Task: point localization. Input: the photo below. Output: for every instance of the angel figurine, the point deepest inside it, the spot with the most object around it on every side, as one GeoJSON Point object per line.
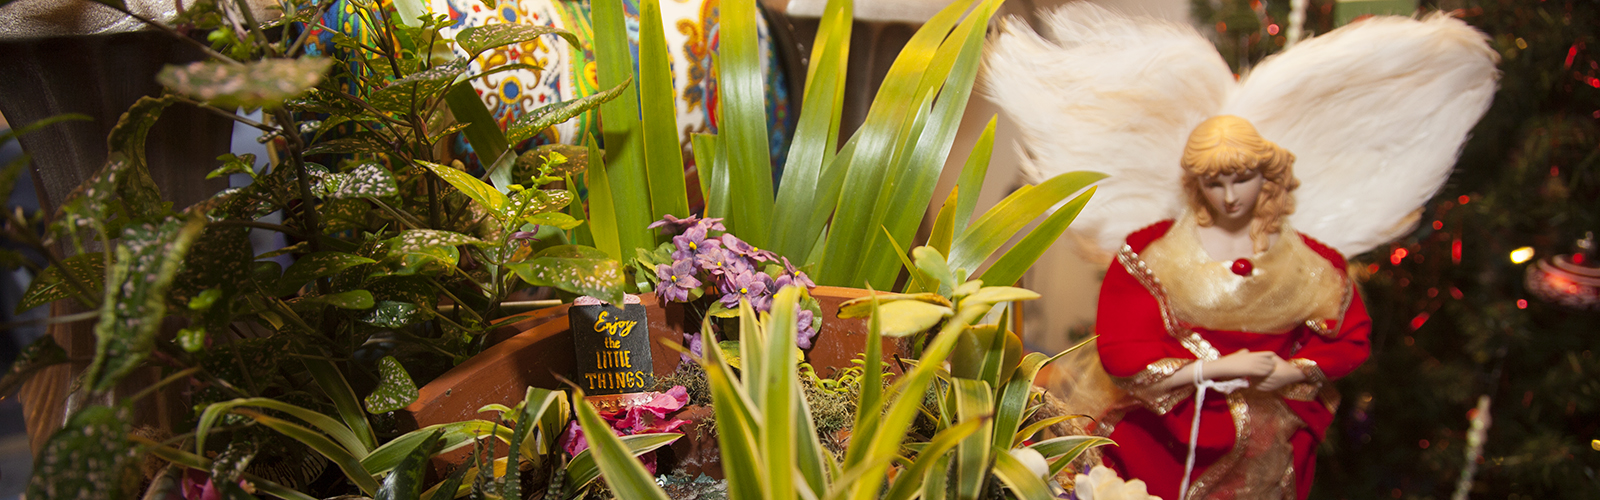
{"type": "Point", "coordinates": [1248, 192]}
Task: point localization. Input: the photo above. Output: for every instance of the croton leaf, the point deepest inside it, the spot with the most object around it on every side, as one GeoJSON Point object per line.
{"type": "Point", "coordinates": [367, 180]}
{"type": "Point", "coordinates": [343, 215]}
{"type": "Point", "coordinates": [557, 160]}
{"type": "Point", "coordinates": [88, 268]}
{"type": "Point", "coordinates": [420, 249]}
{"type": "Point", "coordinates": [395, 388]}
{"type": "Point", "coordinates": [481, 192]}
{"type": "Point", "coordinates": [89, 458]}
{"type": "Point", "coordinates": [477, 39]}
{"type": "Point", "coordinates": [41, 353]}
{"type": "Point", "coordinates": [404, 95]}
{"type": "Point", "coordinates": [148, 258]}
{"type": "Point", "coordinates": [315, 266]}
{"type": "Point", "coordinates": [537, 120]}
{"type": "Point", "coordinates": [576, 269]}
{"type": "Point", "coordinates": [411, 289]}
{"type": "Point", "coordinates": [535, 201]}
{"type": "Point", "coordinates": [266, 83]}
{"type": "Point", "coordinates": [220, 259]}
{"type": "Point", "coordinates": [392, 314]}
{"type": "Point", "coordinates": [234, 164]}
{"type": "Point", "coordinates": [354, 299]}
{"type": "Point", "coordinates": [359, 143]}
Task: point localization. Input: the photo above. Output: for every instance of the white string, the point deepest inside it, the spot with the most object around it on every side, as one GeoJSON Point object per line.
{"type": "Point", "coordinates": [1201, 384]}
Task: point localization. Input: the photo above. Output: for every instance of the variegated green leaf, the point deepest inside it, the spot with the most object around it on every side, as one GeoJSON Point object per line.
{"type": "Point", "coordinates": [481, 192]}
{"type": "Point", "coordinates": [395, 388]}
{"type": "Point", "coordinates": [367, 180]}
{"type": "Point", "coordinates": [477, 39]}
{"type": "Point", "coordinates": [43, 352]}
{"type": "Point", "coordinates": [353, 299]}
{"type": "Point", "coordinates": [255, 84]}
{"type": "Point", "coordinates": [49, 286]}
{"type": "Point", "coordinates": [576, 269]}
{"type": "Point", "coordinates": [89, 458]}
{"type": "Point", "coordinates": [148, 258]}
{"type": "Point", "coordinates": [315, 266]}
{"type": "Point", "coordinates": [391, 314]}
{"type": "Point", "coordinates": [406, 95]}
{"type": "Point", "coordinates": [531, 124]}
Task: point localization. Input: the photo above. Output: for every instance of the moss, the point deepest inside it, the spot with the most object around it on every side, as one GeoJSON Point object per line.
{"type": "Point", "coordinates": [693, 379]}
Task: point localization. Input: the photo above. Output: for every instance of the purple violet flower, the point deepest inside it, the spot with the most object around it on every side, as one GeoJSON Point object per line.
{"type": "Point", "coordinates": [713, 224]}
{"type": "Point", "coordinates": [720, 262]}
{"type": "Point", "coordinates": [795, 275]}
{"type": "Point", "coordinates": [806, 332]}
{"type": "Point", "coordinates": [738, 246]}
{"type": "Point", "coordinates": [742, 285]}
{"type": "Point", "coordinates": [692, 244]}
{"type": "Point", "coordinates": [677, 280]}
{"type": "Point", "coordinates": [695, 343]}
{"type": "Point", "coordinates": [674, 224]}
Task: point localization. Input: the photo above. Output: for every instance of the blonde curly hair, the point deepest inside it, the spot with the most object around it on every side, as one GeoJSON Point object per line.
{"type": "Point", "coordinates": [1228, 144]}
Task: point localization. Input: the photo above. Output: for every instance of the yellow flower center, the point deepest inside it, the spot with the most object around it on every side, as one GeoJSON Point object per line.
{"type": "Point", "coordinates": [693, 246]}
{"type": "Point", "coordinates": [744, 290]}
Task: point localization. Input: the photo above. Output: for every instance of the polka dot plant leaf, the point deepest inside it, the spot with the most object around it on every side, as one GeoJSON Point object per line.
{"type": "Point", "coordinates": [148, 258]}
{"type": "Point", "coordinates": [395, 388]}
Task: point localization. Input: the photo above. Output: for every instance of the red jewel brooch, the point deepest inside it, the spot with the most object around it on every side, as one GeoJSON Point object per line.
{"type": "Point", "coordinates": [1242, 267]}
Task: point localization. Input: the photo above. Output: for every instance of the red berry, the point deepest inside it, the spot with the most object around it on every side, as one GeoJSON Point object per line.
{"type": "Point", "coordinates": [1242, 267]}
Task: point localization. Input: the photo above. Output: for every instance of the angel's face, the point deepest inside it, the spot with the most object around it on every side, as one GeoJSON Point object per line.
{"type": "Point", "coordinates": [1232, 197]}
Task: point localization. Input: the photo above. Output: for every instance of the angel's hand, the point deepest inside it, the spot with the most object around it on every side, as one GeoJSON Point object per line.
{"type": "Point", "coordinates": [1242, 363]}
{"type": "Point", "coordinates": [1283, 374]}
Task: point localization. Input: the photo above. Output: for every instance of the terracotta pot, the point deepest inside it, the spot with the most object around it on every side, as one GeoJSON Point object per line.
{"type": "Point", "coordinates": [534, 351]}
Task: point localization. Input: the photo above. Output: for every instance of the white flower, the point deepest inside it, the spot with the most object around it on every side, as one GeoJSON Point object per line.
{"type": "Point", "coordinates": [1104, 484]}
{"type": "Point", "coordinates": [1033, 460]}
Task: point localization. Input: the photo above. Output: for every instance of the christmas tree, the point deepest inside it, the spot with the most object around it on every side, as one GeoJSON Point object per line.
{"type": "Point", "coordinates": [1452, 319]}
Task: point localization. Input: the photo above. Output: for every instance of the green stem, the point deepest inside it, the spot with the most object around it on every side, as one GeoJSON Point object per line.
{"type": "Point", "coordinates": [225, 114]}
{"type": "Point", "coordinates": [158, 385]}
{"type": "Point", "coordinates": [460, 306]}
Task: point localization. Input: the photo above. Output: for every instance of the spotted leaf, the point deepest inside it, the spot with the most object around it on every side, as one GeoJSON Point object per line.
{"type": "Point", "coordinates": [407, 94]}
{"type": "Point", "coordinates": [148, 258]}
{"type": "Point", "coordinates": [220, 259]}
{"type": "Point", "coordinates": [556, 159]}
{"type": "Point", "coordinates": [576, 269]}
{"type": "Point", "coordinates": [51, 285]}
{"type": "Point", "coordinates": [395, 388]}
{"type": "Point", "coordinates": [421, 250]}
{"type": "Point", "coordinates": [41, 353]}
{"type": "Point", "coordinates": [89, 458]}
{"type": "Point", "coordinates": [392, 314]}
{"type": "Point", "coordinates": [481, 192]}
{"type": "Point", "coordinates": [315, 266]}
{"type": "Point", "coordinates": [256, 84]}
{"type": "Point", "coordinates": [536, 121]}
{"type": "Point", "coordinates": [367, 180]}
{"type": "Point", "coordinates": [359, 143]}
{"type": "Point", "coordinates": [477, 39]}
{"type": "Point", "coordinates": [354, 299]}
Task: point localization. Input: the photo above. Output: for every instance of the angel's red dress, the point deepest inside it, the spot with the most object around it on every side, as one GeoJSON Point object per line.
{"type": "Point", "coordinates": [1152, 322]}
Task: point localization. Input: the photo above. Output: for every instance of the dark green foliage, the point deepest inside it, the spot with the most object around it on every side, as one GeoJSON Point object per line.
{"type": "Point", "coordinates": [1446, 332]}
{"type": "Point", "coordinates": [89, 458]}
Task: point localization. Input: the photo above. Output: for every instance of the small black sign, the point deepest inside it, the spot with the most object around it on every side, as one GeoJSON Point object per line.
{"type": "Point", "coordinates": [612, 345]}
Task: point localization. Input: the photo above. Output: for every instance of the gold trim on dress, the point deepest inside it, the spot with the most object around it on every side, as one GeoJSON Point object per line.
{"type": "Point", "coordinates": [1268, 461]}
{"type": "Point", "coordinates": [1141, 385]}
{"type": "Point", "coordinates": [1289, 284]}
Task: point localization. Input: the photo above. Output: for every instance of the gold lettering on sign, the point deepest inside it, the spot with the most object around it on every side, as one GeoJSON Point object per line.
{"type": "Point", "coordinates": [633, 379]}
{"type": "Point", "coordinates": [613, 359]}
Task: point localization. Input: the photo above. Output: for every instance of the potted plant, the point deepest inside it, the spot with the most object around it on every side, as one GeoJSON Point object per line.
{"type": "Point", "coordinates": [404, 261]}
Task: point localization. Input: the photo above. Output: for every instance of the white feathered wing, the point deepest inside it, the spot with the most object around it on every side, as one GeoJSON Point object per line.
{"type": "Point", "coordinates": [1374, 112]}
{"type": "Point", "coordinates": [1110, 94]}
